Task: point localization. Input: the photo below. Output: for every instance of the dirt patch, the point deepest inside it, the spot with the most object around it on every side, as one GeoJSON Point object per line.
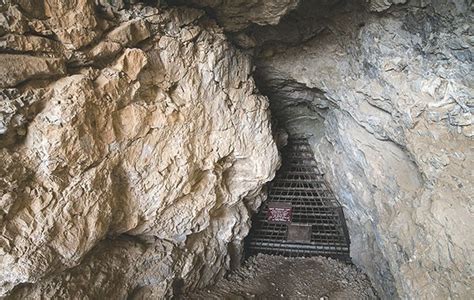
{"type": "Point", "coordinates": [277, 277]}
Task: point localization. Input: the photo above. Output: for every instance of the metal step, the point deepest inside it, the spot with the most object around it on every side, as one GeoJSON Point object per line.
{"type": "Point", "coordinates": [315, 224]}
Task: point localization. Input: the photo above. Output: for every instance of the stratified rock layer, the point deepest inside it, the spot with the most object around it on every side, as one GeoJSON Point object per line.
{"type": "Point", "coordinates": [388, 101]}
{"type": "Point", "coordinates": [154, 134]}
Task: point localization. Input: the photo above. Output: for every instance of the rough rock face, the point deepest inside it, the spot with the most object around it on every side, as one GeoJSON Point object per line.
{"type": "Point", "coordinates": [133, 147]}
{"type": "Point", "coordinates": [381, 5]}
{"type": "Point", "coordinates": [236, 15]}
{"type": "Point", "coordinates": [388, 101]}
{"type": "Point", "coordinates": [133, 144]}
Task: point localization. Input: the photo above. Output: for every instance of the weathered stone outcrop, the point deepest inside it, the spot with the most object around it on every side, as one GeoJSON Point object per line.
{"type": "Point", "coordinates": [381, 5]}
{"type": "Point", "coordinates": [388, 101]}
{"type": "Point", "coordinates": [236, 15]}
{"type": "Point", "coordinates": [134, 169]}
{"type": "Point", "coordinates": [134, 144]}
{"type": "Point", "coordinates": [72, 22]}
{"type": "Point", "coordinates": [25, 67]}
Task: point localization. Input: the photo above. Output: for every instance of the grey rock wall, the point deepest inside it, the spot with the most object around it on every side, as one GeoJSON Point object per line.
{"type": "Point", "coordinates": [236, 15]}
{"type": "Point", "coordinates": [387, 100]}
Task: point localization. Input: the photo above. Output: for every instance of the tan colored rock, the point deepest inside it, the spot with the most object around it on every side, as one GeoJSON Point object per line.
{"type": "Point", "coordinates": [16, 108]}
{"type": "Point", "coordinates": [127, 34]}
{"type": "Point", "coordinates": [32, 8]}
{"type": "Point", "coordinates": [104, 50]}
{"type": "Point", "coordinates": [137, 172]}
{"type": "Point", "coordinates": [130, 33]}
{"type": "Point", "coordinates": [165, 144]}
{"type": "Point", "coordinates": [23, 43]}
{"type": "Point", "coordinates": [20, 68]}
{"type": "Point", "coordinates": [12, 20]}
{"type": "Point", "coordinates": [131, 63]}
{"type": "Point", "coordinates": [73, 21]}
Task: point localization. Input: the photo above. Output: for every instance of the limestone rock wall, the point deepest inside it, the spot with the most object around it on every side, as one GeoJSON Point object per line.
{"type": "Point", "coordinates": [133, 147]}
{"type": "Point", "coordinates": [388, 102]}
{"type": "Point", "coordinates": [134, 144]}
{"type": "Point", "coordinates": [236, 15]}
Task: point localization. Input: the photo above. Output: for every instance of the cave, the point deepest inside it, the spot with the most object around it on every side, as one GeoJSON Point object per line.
{"type": "Point", "coordinates": [145, 144]}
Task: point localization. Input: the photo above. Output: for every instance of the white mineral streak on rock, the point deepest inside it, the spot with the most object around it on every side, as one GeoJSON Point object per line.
{"type": "Point", "coordinates": [169, 144]}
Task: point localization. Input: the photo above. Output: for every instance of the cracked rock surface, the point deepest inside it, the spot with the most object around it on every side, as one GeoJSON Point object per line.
{"type": "Point", "coordinates": [135, 141]}
{"type": "Point", "coordinates": [236, 15]}
{"type": "Point", "coordinates": [387, 101]}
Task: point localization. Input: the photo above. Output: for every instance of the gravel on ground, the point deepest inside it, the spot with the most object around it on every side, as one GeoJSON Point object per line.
{"type": "Point", "coordinates": [278, 277]}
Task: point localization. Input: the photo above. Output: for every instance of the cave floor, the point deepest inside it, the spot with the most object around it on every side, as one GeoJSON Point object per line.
{"type": "Point", "coordinates": [277, 277]}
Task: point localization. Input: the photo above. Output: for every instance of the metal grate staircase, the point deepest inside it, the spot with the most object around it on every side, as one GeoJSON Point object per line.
{"type": "Point", "coordinates": [301, 216]}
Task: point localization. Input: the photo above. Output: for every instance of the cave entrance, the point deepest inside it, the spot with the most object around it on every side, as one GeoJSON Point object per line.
{"type": "Point", "coordinates": [301, 216]}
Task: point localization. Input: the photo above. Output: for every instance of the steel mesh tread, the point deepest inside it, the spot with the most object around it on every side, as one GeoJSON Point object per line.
{"type": "Point", "coordinates": [301, 184]}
